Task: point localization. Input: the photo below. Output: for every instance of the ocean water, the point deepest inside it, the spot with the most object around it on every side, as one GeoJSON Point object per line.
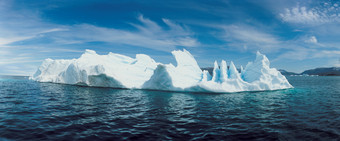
{"type": "Point", "coordinates": [44, 111]}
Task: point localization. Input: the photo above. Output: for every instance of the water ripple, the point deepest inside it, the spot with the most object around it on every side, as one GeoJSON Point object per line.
{"type": "Point", "coordinates": [45, 111]}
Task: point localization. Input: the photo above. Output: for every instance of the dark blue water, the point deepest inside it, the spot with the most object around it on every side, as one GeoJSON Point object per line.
{"type": "Point", "coordinates": [45, 111]}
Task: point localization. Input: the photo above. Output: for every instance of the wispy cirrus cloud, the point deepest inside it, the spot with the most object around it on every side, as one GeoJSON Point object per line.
{"type": "Point", "coordinates": [247, 37]}
{"type": "Point", "coordinates": [337, 63]}
{"type": "Point", "coordinates": [19, 25]}
{"type": "Point", "coordinates": [248, 34]}
{"type": "Point", "coordinates": [294, 30]}
{"type": "Point", "coordinates": [24, 24]}
{"type": "Point", "coordinates": [149, 34]}
{"type": "Point", "coordinates": [23, 31]}
{"type": "Point", "coordinates": [302, 53]}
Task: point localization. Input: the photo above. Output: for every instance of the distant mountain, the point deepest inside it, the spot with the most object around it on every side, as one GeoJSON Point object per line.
{"type": "Point", "coordinates": [284, 72]}
{"type": "Point", "coordinates": [333, 71]}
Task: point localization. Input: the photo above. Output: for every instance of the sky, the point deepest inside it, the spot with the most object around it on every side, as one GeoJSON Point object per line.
{"type": "Point", "coordinates": [294, 34]}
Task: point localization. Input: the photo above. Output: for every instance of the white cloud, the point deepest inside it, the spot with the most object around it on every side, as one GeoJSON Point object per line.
{"type": "Point", "coordinates": [21, 26]}
{"type": "Point", "coordinates": [326, 53]}
{"type": "Point", "coordinates": [247, 37]}
{"type": "Point", "coordinates": [337, 64]}
{"type": "Point", "coordinates": [333, 62]}
{"type": "Point", "coordinates": [298, 53]}
{"type": "Point", "coordinates": [15, 60]}
{"type": "Point", "coordinates": [311, 16]}
{"type": "Point", "coordinates": [301, 15]}
{"type": "Point", "coordinates": [148, 35]}
{"type": "Point", "coordinates": [249, 34]}
{"type": "Point", "coordinates": [18, 70]}
{"type": "Point", "coordinates": [312, 39]}
{"type": "Point", "coordinates": [250, 37]}
{"type": "Point", "coordinates": [301, 53]}
{"type": "Point", "coordinates": [8, 40]}
{"type": "Point", "coordinates": [18, 25]}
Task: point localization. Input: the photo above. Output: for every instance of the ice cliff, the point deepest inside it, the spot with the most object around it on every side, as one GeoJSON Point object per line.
{"type": "Point", "coordinates": [142, 72]}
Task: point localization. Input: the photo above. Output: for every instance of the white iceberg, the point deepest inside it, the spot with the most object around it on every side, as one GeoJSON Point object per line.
{"type": "Point", "coordinates": [142, 72]}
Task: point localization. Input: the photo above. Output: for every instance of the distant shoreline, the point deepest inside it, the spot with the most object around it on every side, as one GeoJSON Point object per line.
{"type": "Point", "coordinates": [331, 71]}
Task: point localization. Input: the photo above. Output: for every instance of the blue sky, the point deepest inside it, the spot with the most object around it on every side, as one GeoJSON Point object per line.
{"type": "Point", "coordinates": [295, 35]}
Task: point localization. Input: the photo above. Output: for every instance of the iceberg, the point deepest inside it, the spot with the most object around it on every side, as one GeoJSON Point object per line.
{"type": "Point", "coordinates": [142, 72]}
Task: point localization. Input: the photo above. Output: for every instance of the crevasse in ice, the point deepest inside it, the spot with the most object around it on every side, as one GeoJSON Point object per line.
{"type": "Point", "coordinates": [142, 72]}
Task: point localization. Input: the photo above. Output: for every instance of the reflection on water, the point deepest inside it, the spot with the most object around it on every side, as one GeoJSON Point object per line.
{"type": "Point", "coordinates": [184, 107]}
{"type": "Point", "coordinates": [46, 111]}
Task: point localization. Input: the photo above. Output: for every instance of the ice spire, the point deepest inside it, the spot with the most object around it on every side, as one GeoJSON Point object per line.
{"type": "Point", "coordinates": [241, 69]}
{"type": "Point", "coordinates": [233, 73]}
{"type": "Point", "coordinates": [223, 71]}
{"type": "Point", "coordinates": [216, 72]}
{"type": "Point", "coordinates": [254, 70]}
{"type": "Point", "coordinates": [262, 60]}
{"type": "Point", "coordinates": [206, 76]}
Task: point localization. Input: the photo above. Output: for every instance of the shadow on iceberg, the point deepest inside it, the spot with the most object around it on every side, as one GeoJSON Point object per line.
{"type": "Point", "coordinates": [160, 80]}
{"type": "Point", "coordinates": [103, 80]}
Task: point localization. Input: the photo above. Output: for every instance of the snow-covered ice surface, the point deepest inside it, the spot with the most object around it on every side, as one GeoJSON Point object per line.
{"type": "Point", "coordinates": [142, 72]}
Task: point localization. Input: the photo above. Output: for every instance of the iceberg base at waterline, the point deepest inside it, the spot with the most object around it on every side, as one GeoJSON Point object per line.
{"type": "Point", "coordinates": [142, 72]}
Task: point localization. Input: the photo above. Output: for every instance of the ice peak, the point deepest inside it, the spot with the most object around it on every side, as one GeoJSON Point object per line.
{"type": "Point", "coordinates": [255, 70]}
{"type": "Point", "coordinates": [224, 71]}
{"type": "Point", "coordinates": [184, 58]}
{"type": "Point", "coordinates": [258, 53]}
{"type": "Point", "coordinates": [88, 51]}
{"type": "Point", "coordinates": [48, 60]}
{"type": "Point", "coordinates": [215, 64]}
{"type": "Point", "coordinates": [261, 59]}
{"type": "Point", "coordinates": [206, 76]}
{"type": "Point", "coordinates": [233, 73]}
{"type": "Point", "coordinates": [216, 73]}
